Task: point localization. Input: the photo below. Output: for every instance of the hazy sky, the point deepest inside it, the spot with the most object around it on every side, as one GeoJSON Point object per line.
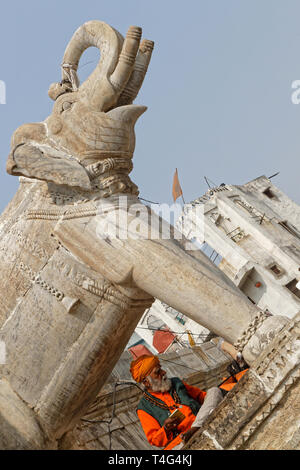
{"type": "Point", "coordinates": [218, 89]}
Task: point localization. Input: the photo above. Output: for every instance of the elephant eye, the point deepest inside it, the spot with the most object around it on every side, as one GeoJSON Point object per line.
{"type": "Point", "coordinates": [66, 105]}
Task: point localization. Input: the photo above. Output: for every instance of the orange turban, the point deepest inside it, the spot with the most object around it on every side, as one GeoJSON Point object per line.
{"type": "Point", "coordinates": [142, 366]}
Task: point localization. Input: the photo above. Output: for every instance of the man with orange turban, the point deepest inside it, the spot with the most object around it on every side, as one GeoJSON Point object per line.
{"type": "Point", "coordinates": [162, 396]}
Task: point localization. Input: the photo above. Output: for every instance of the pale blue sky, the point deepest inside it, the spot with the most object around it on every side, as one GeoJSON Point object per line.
{"type": "Point", "coordinates": [218, 89]}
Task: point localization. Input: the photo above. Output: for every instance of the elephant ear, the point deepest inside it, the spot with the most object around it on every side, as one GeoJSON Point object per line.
{"type": "Point", "coordinates": [47, 164]}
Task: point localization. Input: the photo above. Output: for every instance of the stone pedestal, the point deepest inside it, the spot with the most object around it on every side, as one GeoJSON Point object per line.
{"type": "Point", "coordinates": [72, 295]}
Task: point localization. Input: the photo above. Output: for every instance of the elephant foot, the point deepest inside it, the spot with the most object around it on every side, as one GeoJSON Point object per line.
{"type": "Point", "coordinates": [262, 330]}
{"type": "Point", "coordinates": [189, 434]}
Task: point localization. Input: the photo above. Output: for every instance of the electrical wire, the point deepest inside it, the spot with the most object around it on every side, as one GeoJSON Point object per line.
{"type": "Point", "coordinates": [207, 182]}
{"type": "Point", "coordinates": [176, 363]}
{"type": "Point", "coordinates": [125, 382]}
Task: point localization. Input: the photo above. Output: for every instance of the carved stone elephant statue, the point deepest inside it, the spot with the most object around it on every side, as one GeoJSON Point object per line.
{"type": "Point", "coordinates": [72, 294]}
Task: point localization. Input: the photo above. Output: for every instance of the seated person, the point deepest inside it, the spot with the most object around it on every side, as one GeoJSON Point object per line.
{"type": "Point", "coordinates": [163, 395]}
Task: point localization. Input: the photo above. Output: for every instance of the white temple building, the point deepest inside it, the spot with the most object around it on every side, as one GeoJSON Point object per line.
{"type": "Point", "coordinates": [165, 329]}
{"type": "Point", "coordinates": [254, 229]}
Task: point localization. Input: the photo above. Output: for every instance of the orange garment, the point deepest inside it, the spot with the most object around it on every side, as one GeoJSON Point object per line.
{"type": "Point", "coordinates": [232, 381]}
{"type": "Point", "coordinates": [142, 366]}
{"type": "Point", "coordinates": [155, 433]}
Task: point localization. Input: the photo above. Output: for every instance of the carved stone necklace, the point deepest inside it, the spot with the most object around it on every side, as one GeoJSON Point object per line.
{"type": "Point", "coordinates": [160, 404]}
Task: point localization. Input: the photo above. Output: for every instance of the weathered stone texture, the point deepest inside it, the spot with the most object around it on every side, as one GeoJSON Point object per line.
{"type": "Point", "coordinates": [281, 431]}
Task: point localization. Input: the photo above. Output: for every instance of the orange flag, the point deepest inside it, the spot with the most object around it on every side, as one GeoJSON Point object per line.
{"type": "Point", "coordinates": [176, 191]}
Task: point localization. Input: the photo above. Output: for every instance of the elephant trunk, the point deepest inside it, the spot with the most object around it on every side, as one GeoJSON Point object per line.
{"type": "Point", "coordinates": [117, 64]}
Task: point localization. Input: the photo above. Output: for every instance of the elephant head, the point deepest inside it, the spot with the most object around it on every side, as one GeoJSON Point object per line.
{"type": "Point", "coordinates": [88, 140]}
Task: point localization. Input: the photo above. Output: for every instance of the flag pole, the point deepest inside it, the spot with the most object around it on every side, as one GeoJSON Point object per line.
{"type": "Point", "coordinates": [177, 190]}
{"type": "Point", "coordinates": [182, 195]}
